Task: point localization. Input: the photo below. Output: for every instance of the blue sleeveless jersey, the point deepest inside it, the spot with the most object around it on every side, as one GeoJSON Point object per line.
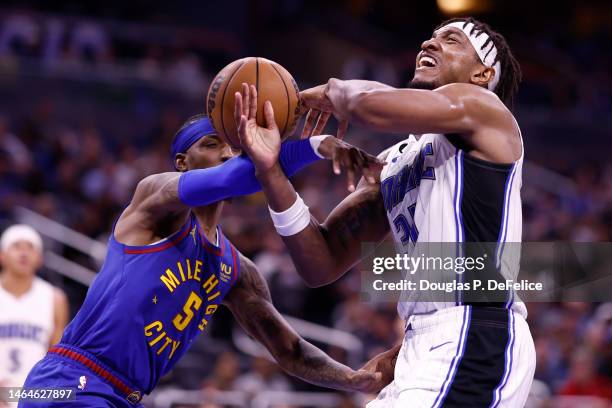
{"type": "Point", "coordinates": [148, 303]}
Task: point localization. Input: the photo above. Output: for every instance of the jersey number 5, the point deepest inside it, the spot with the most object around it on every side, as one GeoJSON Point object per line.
{"type": "Point", "coordinates": [181, 321]}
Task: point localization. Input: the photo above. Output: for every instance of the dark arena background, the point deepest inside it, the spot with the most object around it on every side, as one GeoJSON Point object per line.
{"type": "Point", "coordinates": [91, 95]}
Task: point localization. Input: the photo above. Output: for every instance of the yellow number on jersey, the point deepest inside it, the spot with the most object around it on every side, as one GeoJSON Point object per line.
{"type": "Point", "coordinates": [180, 321]}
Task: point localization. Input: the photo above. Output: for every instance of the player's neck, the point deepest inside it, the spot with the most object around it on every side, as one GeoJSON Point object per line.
{"type": "Point", "coordinates": [208, 218]}
{"type": "Point", "coordinates": [14, 284]}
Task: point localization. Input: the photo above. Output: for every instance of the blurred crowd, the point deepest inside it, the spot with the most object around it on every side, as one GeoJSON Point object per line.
{"type": "Point", "coordinates": [82, 173]}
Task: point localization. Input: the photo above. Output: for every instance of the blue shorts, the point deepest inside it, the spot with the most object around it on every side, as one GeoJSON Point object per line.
{"type": "Point", "coordinates": [92, 390]}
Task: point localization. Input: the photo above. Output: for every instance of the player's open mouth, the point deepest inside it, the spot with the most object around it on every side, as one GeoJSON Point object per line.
{"type": "Point", "coordinates": [426, 61]}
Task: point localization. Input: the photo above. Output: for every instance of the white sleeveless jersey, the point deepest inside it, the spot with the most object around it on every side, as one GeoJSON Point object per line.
{"type": "Point", "coordinates": [435, 193]}
{"type": "Point", "coordinates": [26, 326]}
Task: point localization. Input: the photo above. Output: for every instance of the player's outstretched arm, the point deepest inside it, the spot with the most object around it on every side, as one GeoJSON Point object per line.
{"type": "Point", "coordinates": [168, 196]}
{"type": "Point", "coordinates": [453, 108]}
{"type": "Point", "coordinates": [250, 302]}
{"type": "Point", "coordinates": [320, 107]}
{"type": "Point", "coordinates": [321, 253]}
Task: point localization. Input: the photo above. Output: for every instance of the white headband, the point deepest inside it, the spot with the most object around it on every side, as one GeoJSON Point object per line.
{"type": "Point", "coordinates": [487, 55]}
{"type": "Point", "coordinates": [20, 232]}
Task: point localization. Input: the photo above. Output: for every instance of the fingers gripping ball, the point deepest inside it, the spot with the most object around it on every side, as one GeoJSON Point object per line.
{"type": "Point", "coordinates": [273, 83]}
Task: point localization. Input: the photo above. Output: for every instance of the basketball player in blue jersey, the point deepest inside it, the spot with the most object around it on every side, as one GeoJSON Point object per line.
{"type": "Point", "coordinates": [455, 179]}
{"type": "Point", "coordinates": [168, 269]}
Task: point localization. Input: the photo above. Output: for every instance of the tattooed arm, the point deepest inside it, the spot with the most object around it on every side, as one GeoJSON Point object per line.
{"type": "Point", "coordinates": [324, 252]}
{"type": "Point", "coordinates": [251, 305]}
{"type": "Point", "coordinates": [321, 252]}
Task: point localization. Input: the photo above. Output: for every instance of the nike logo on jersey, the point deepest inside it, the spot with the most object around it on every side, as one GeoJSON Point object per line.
{"type": "Point", "coordinates": [439, 345]}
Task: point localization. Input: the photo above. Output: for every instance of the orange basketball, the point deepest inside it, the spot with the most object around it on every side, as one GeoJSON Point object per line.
{"type": "Point", "coordinates": [273, 82]}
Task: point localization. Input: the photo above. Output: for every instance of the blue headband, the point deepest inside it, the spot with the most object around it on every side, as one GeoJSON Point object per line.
{"type": "Point", "coordinates": [190, 134]}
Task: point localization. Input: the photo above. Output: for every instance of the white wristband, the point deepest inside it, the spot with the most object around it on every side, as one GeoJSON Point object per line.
{"type": "Point", "coordinates": [293, 220]}
{"type": "Point", "coordinates": [315, 142]}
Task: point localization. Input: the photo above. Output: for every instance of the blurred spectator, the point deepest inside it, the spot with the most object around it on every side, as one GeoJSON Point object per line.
{"type": "Point", "coordinates": [263, 376]}
{"type": "Point", "coordinates": [186, 73]}
{"type": "Point", "coordinates": [20, 158]}
{"type": "Point", "coordinates": [583, 377]}
{"type": "Point", "coordinates": [224, 375]}
{"type": "Point", "coordinates": [20, 36]}
{"type": "Point", "coordinates": [90, 42]}
{"type": "Point", "coordinates": [539, 396]}
{"type": "Point", "coordinates": [370, 67]}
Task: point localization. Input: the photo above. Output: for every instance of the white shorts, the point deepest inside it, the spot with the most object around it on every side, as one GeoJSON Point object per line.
{"type": "Point", "coordinates": [463, 356]}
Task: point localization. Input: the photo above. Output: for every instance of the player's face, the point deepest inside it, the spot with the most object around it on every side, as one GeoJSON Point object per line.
{"type": "Point", "coordinates": [21, 258]}
{"type": "Point", "coordinates": [447, 57]}
{"type": "Point", "coordinates": [209, 151]}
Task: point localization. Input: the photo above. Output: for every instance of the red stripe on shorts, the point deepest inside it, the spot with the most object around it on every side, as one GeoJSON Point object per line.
{"type": "Point", "coordinates": [93, 366]}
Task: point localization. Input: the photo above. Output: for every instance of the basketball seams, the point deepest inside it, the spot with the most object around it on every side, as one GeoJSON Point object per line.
{"type": "Point", "coordinates": [292, 99]}
{"type": "Point", "coordinates": [228, 82]}
{"type": "Point", "coordinates": [222, 78]}
{"type": "Point", "coordinates": [265, 80]}
{"type": "Point", "coordinates": [257, 74]}
{"type": "Point", "coordinates": [260, 116]}
{"type": "Point", "coordinates": [288, 98]}
{"type": "Point", "coordinates": [295, 116]}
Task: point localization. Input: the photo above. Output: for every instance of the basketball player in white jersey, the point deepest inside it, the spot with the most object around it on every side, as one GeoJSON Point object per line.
{"type": "Point", "coordinates": [456, 178]}
{"type": "Point", "coordinates": [33, 313]}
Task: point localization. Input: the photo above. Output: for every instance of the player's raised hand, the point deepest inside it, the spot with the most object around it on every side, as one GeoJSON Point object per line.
{"type": "Point", "coordinates": [262, 144]}
{"type": "Point", "coordinates": [315, 123]}
{"type": "Point", "coordinates": [315, 98]}
{"type": "Point", "coordinates": [352, 160]}
{"type": "Point", "coordinates": [319, 109]}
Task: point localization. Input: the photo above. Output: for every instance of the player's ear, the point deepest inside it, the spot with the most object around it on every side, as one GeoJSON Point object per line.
{"type": "Point", "coordinates": [482, 75]}
{"type": "Point", "coordinates": [180, 162]}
